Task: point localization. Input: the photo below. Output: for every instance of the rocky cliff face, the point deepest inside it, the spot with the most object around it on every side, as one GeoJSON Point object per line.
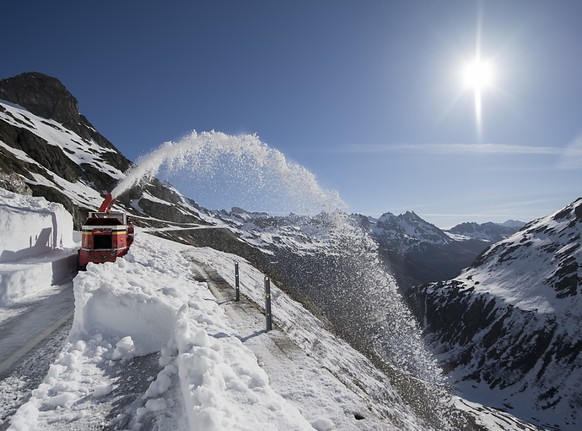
{"type": "Point", "coordinates": [47, 97]}
{"type": "Point", "coordinates": [511, 324]}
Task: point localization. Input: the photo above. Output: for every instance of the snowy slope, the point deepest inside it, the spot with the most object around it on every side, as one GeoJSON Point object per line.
{"type": "Point", "coordinates": [78, 150]}
{"type": "Point", "coordinates": [208, 375]}
{"type": "Point", "coordinates": [517, 312]}
{"type": "Point", "coordinates": [538, 268]}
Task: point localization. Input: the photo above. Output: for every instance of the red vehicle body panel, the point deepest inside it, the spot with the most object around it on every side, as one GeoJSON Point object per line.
{"type": "Point", "coordinates": [106, 235]}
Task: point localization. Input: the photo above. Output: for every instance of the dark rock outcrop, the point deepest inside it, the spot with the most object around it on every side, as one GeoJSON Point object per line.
{"type": "Point", "coordinates": [47, 97]}
{"type": "Point", "coordinates": [42, 95]}
{"type": "Point", "coordinates": [14, 183]}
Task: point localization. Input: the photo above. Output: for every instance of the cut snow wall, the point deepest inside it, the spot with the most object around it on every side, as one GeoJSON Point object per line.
{"type": "Point", "coordinates": [107, 305]}
{"type": "Point", "coordinates": [32, 226]}
{"type": "Point", "coordinates": [19, 281]}
{"type": "Point", "coordinates": [149, 323]}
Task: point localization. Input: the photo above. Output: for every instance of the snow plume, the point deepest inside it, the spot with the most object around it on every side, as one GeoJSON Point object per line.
{"type": "Point", "coordinates": [346, 282]}
{"type": "Point", "coordinates": [258, 172]}
{"type": "Point", "coordinates": [372, 302]}
{"type": "Point", "coordinates": [381, 324]}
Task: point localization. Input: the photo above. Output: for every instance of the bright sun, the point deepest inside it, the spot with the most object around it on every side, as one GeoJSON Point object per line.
{"type": "Point", "coordinates": [478, 74]}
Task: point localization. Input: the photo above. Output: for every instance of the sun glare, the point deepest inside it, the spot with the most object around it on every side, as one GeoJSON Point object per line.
{"type": "Point", "coordinates": [478, 74]}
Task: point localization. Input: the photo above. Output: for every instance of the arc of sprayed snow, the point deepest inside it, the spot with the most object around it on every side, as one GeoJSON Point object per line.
{"type": "Point", "coordinates": [298, 179]}
{"type": "Point", "coordinates": [146, 167]}
{"type": "Point", "coordinates": [174, 154]}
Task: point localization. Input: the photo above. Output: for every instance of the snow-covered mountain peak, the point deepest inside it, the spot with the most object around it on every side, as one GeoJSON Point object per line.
{"type": "Point", "coordinates": [41, 95]}
{"type": "Point", "coordinates": [408, 227]}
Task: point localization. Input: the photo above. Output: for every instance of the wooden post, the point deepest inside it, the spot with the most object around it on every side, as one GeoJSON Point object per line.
{"type": "Point", "coordinates": [268, 304]}
{"type": "Point", "coordinates": [236, 283]}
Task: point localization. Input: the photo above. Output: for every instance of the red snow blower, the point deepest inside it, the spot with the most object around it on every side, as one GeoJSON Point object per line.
{"type": "Point", "coordinates": [106, 235]}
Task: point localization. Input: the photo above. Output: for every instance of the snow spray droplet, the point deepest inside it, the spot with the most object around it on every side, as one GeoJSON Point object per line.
{"type": "Point", "coordinates": [249, 165]}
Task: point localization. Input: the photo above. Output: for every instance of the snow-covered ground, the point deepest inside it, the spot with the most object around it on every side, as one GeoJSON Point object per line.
{"type": "Point", "coordinates": [153, 346]}
{"type": "Point", "coordinates": [149, 303]}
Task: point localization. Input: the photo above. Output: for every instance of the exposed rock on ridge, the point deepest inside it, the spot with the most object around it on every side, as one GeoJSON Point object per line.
{"type": "Point", "coordinates": [511, 324]}
{"type": "Point", "coordinates": [416, 251]}
{"type": "Point", "coordinates": [47, 97]}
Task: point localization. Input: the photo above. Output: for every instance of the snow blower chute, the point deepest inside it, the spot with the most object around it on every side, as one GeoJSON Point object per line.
{"type": "Point", "coordinates": [106, 235]}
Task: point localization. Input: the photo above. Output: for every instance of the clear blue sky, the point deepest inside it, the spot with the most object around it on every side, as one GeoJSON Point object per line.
{"type": "Point", "coordinates": [365, 94]}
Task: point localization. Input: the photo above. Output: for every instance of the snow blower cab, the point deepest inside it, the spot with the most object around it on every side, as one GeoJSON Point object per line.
{"type": "Point", "coordinates": [106, 235]}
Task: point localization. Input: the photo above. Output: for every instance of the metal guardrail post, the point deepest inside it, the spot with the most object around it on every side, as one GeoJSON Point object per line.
{"type": "Point", "coordinates": [268, 304]}
{"type": "Point", "coordinates": [236, 283]}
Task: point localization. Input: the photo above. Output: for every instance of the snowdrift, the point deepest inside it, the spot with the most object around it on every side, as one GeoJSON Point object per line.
{"type": "Point", "coordinates": [32, 226]}
{"type": "Point", "coordinates": [36, 245]}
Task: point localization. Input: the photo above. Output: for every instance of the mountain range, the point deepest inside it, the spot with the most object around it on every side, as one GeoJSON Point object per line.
{"type": "Point", "coordinates": [510, 323]}
{"type": "Point", "coordinates": [498, 304]}
{"type": "Point", "coordinates": [418, 252]}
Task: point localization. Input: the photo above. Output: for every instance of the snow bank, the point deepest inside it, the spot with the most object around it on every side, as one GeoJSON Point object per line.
{"type": "Point", "coordinates": [145, 303]}
{"type": "Point", "coordinates": [32, 226]}
{"type": "Point", "coordinates": [36, 245]}
{"type": "Point", "coordinates": [19, 281]}
{"type": "Point", "coordinates": [221, 382]}
{"type": "Point", "coordinates": [116, 305]}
